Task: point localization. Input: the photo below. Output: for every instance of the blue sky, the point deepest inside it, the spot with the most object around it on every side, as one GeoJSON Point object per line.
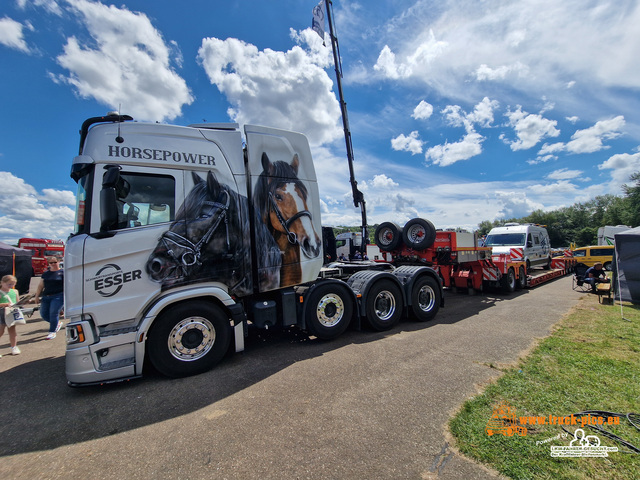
{"type": "Point", "coordinates": [460, 111]}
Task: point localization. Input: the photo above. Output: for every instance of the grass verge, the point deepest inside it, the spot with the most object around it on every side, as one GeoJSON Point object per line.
{"type": "Point", "coordinates": [590, 362]}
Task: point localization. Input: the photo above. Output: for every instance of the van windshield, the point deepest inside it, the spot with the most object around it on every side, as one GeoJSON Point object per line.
{"type": "Point", "coordinates": [505, 240]}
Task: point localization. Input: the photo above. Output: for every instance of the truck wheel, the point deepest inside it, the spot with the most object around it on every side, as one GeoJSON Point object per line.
{"type": "Point", "coordinates": [328, 311]}
{"type": "Point", "coordinates": [388, 236]}
{"type": "Point", "coordinates": [384, 305]}
{"type": "Point", "coordinates": [419, 233]}
{"type": "Point", "coordinates": [425, 299]}
{"type": "Point", "coordinates": [522, 279]}
{"type": "Point", "coordinates": [508, 281]}
{"type": "Point", "coordinates": [189, 339]}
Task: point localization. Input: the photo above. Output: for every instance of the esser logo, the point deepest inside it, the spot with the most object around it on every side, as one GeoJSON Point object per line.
{"type": "Point", "coordinates": [110, 279]}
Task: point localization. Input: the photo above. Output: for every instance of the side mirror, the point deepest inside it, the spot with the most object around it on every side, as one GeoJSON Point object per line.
{"type": "Point", "coordinates": [108, 200]}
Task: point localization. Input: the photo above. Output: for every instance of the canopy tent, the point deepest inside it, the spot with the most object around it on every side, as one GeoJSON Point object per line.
{"type": "Point", "coordinates": [627, 263]}
{"type": "Point", "coordinates": [16, 261]}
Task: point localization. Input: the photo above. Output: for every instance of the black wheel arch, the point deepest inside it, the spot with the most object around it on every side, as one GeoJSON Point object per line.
{"type": "Point", "coordinates": [326, 281]}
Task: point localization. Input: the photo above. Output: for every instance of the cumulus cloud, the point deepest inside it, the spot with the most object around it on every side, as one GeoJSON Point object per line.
{"type": "Point", "coordinates": [469, 146]}
{"type": "Point", "coordinates": [129, 64]}
{"type": "Point", "coordinates": [408, 144]}
{"type": "Point", "coordinates": [24, 212]}
{"type": "Point", "coordinates": [423, 111]}
{"type": "Point", "coordinates": [289, 89]}
{"type": "Point", "coordinates": [564, 174]}
{"type": "Point", "coordinates": [382, 181]}
{"type": "Point", "coordinates": [12, 35]}
{"type": "Point", "coordinates": [588, 140]}
{"type": "Point", "coordinates": [530, 128]}
{"type": "Point", "coordinates": [591, 139]}
{"type": "Point", "coordinates": [622, 166]}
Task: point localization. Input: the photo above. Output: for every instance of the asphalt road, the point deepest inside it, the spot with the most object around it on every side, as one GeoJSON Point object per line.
{"type": "Point", "coordinates": [366, 406]}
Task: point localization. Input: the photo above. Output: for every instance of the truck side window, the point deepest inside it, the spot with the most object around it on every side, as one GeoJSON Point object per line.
{"type": "Point", "coordinates": [149, 199]}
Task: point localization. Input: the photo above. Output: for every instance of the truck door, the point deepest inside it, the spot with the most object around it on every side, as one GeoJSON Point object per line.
{"type": "Point", "coordinates": [286, 201]}
{"type": "Point", "coordinates": [116, 284]}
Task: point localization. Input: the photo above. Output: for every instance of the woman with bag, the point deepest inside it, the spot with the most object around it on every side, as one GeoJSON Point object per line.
{"type": "Point", "coordinates": [8, 297]}
{"type": "Point", "coordinates": [51, 288]}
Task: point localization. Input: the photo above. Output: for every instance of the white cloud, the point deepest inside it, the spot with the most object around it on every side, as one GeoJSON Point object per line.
{"type": "Point", "coordinates": [572, 119]}
{"type": "Point", "coordinates": [622, 165]}
{"type": "Point", "coordinates": [129, 65]}
{"type": "Point", "coordinates": [564, 174]}
{"type": "Point", "coordinates": [25, 213]}
{"type": "Point", "coordinates": [408, 144]}
{"type": "Point", "coordinates": [11, 34]}
{"type": "Point", "coordinates": [52, 6]}
{"type": "Point", "coordinates": [384, 182]}
{"type": "Point", "coordinates": [530, 128]}
{"type": "Point", "coordinates": [590, 139]}
{"type": "Point", "coordinates": [423, 111]}
{"type": "Point", "coordinates": [484, 72]}
{"type": "Point", "coordinates": [450, 153]}
{"type": "Point", "coordinates": [288, 90]}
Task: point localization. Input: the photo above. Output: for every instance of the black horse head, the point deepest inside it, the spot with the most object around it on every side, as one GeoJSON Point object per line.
{"type": "Point", "coordinates": [207, 239]}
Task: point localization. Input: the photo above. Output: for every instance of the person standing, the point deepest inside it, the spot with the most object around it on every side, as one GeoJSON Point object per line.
{"type": "Point", "coordinates": [51, 288]}
{"type": "Point", "coordinates": [9, 296]}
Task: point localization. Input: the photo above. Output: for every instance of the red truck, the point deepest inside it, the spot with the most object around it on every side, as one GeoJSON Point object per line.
{"type": "Point", "coordinates": [42, 248]}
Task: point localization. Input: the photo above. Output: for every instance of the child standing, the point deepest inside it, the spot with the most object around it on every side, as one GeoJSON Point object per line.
{"type": "Point", "coordinates": [9, 296]}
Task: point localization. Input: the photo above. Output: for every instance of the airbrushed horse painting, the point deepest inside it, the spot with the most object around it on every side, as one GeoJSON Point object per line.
{"type": "Point", "coordinates": [280, 200]}
{"type": "Point", "coordinates": [209, 241]}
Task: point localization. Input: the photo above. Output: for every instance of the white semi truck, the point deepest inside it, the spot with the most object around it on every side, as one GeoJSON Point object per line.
{"type": "Point", "coordinates": [186, 235]}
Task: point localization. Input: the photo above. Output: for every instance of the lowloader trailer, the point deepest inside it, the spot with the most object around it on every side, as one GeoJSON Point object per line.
{"type": "Point", "coordinates": [186, 235]}
{"type": "Point", "coordinates": [458, 259]}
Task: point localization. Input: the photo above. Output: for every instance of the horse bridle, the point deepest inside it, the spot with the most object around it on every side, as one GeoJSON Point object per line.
{"type": "Point", "coordinates": [291, 236]}
{"type": "Point", "coordinates": [193, 250]}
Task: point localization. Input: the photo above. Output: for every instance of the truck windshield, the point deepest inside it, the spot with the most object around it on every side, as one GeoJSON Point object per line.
{"type": "Point", "coordinates": [505, 240]}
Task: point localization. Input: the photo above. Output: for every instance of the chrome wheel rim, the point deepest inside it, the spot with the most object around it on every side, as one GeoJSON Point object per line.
{"type": "Point", "coordinates": [330, 310]}
{"type": "Point", "coordinates": [384, 305]}
{"type": "Point", "coordinates": [191, 339]}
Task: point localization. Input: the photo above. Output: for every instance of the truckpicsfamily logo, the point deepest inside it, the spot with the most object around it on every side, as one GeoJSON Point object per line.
{"type": "Point", "coordinates": [160, 155]}
{"type": "Point", "coordinates": [110, 279]}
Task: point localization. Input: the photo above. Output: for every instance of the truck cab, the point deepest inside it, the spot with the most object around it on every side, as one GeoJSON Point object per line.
{"type": "Point", "coordinates": [533, 240]}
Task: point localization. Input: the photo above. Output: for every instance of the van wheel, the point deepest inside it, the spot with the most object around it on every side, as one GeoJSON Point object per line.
{"type": "Point", "coordinates": [607, 266]}
{"type": "Point", "coordinates": [384, 305]}
{"type": "Point", "coordinates": [425, 299]}
{"type": "Point", "coordinates": [522, 279]}
{"type": "Point", "coordinates": [508, 281]}
{"type": "Point", "coordinates": [547, 266]}
{"type": "Point", "coordinates": [329, 309]}
{"type": "Point", "coordinates": [189, 339]}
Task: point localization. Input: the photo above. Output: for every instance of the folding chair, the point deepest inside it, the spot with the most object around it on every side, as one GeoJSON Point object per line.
{"type": "Point", "coordinates": [578, 284]}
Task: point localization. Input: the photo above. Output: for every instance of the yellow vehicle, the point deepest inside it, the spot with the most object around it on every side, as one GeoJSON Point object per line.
{"type": "Point", "coordinates": [590, 255]}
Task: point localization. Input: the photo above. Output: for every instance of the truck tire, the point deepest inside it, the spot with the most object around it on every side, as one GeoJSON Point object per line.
{"type": "Point", "coordinates": [425, 299]}
{"type": "Point", "coordinates": [522, 279]}
{"type": "Point", "coordinates": [388, 236]}
{"type": "Point", "coordinates": [384, 305]}
{"type": "Point", "coordinates": [419, 234]}
{"type": "Point", "coordinates": [189, 339]}
{"type": "Point", "coordinates": [508, 281]}
{"type": "Point", "coordinates": [329, 309]}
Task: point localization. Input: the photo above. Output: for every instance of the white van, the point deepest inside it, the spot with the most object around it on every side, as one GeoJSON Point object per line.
{"type": "Point", "coordinates": [533, 239]}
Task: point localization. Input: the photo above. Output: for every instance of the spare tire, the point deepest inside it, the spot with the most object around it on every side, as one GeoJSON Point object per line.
{"type": "Point", "coordinates": [388, 236]}
{"type": "Point", "coordinates": [419, 234]}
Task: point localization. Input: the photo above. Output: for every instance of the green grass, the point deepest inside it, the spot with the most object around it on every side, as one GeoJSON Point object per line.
{"type": "Point", "coordinates": [591, 362]}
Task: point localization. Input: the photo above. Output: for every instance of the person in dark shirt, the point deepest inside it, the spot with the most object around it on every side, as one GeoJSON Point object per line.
{"type": "Point", "coordinates": [595, 275]}
{"type": "Point", "coordinates": [51, 289]}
